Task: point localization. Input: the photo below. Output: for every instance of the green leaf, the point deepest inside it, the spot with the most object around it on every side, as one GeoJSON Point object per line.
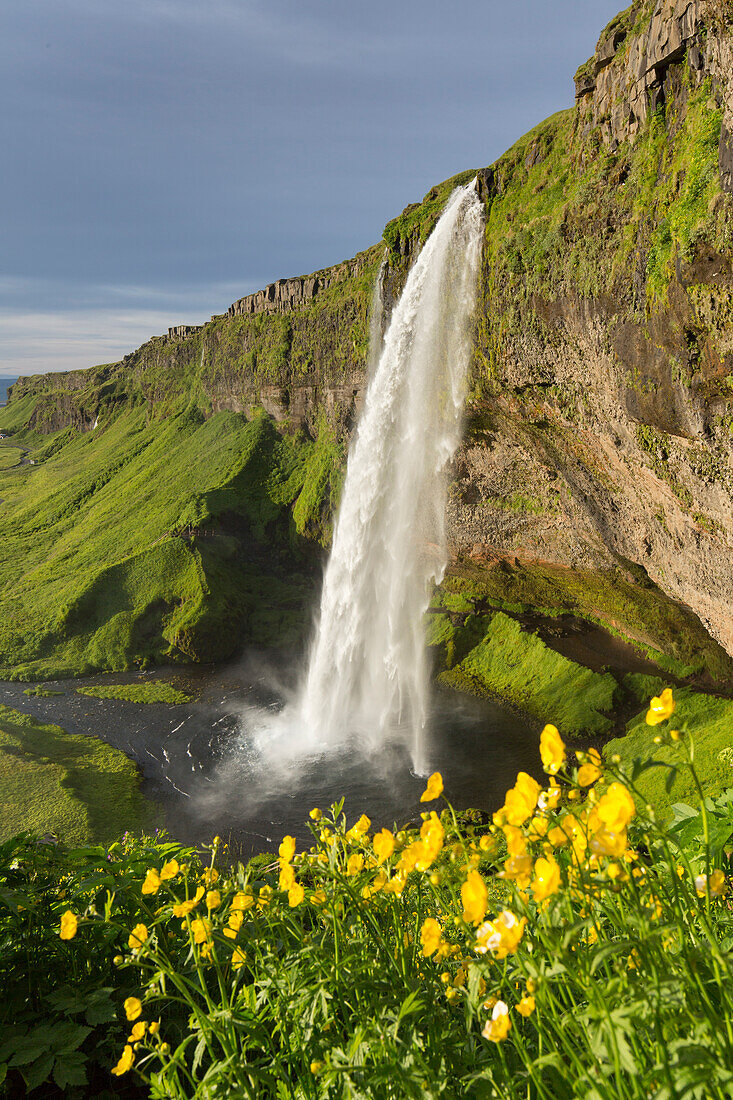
{"type": "Point", "coordinates": [28, 1048]}
{"type": "Point", "coordinates": [38, 1072]}
{"type": "Point", "coordinates": [70, 1070]}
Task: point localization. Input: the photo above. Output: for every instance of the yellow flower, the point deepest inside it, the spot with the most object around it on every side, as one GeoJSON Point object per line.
{"type": "Point", "coordinates": [137, 937]}
{"type": "Point", "coordinates": [243, 900]}
{"type": "Point", "coordinates": [133, 1008]}
{"type": "Point", "coordinates": [152, 882]}
{"type": "Point", "coordinates": [549, 799]}
{"type": "Point", "coordinates": [716, 884]}
{"type": "Point", "coordinates": [546, 878]}
{"type": "Point", "coordinates": [296, 894]}
{"type": "Point", "coordinates": [475, 898]}
{"type": "Point", "coordinates": [316, 1067]}
{"type": "Point", "coordinates": [521, 799]}
{"type": "Point", "coordinates": [431, 836]}
{"type": "Point", "coordinates": [287, 877]}
{"type": "Point", "coordinates": [213, 899]}
{"type": "Point", "coordinates": [661, 708]}
{"type": "Point", "coordinates": [264, 896]}
{"type": "Point", "coordinates": [319, 898]}
{"type": "Point", "coordinates": [287, 848]}
{"type": "Point", "coordinates": [354, 864]}
{"type": "Point", "coordinates": [169, 870]}
{"type": "Point", "coordinates": [137, 1032]}
{"type": "Point", "coordinates": [552, 750]}
{"type": "Point", "coordinates": [316, 814]}
{"type": "Point", "coordinates": [361, 827]}
{"type": "Point", "coordinates": [234, 923]}
{"type": "Point", "coordinates": [210, 876]}
{"type": "Point", "coordinates": [201, 928]}
{"type": "Point", "coordinates": [238, 958]}
{"type": "Point", "coordinates": [616, 808]}
{"type": "Point", "coordinates": [487, 844]}
{"type": "Point", "coordinates": [383, 844]}
{"type": "Point", "coordinates": [526, 1006]}
{"type": "Point", "coordinates": [69, 925]}
{"type": "Point", "coordinates": [499, 1026]}
{"type": "Point", "coordinates": [430, 936]}
{"type": "Point", "coordinates": [126, 1059]}
{"type": "Point", "coordinates": [603, 843]}
{"type": "Point", "coordinates": [516, 842]}
{"type": "Point", "coordinates": [185, 907]}
{"type": "Point", "coordinates": [500, 936]}
{"type": "Point", "coordinates": [434, 788]}
{"type": "Point", "coordinates": [590, 770]}
{"type": "Point", "coordinates": [518, 869]}
{"type": "Point", "coordinates": [154, 1028]}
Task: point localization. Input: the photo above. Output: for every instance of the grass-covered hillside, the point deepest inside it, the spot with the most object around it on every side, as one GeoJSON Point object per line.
{"type": "Point", "coordinates": [143, 540]}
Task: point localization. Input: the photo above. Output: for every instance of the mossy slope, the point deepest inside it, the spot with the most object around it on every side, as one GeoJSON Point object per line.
{"type": "Point", "coordinates": [76, 787]}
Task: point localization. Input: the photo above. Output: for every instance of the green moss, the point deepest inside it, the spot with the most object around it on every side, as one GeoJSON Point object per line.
{"type": "Point", "coordinates": [516, 665]}
{"type": "Point", "coordinates": [156, 692]}
{"type": "Point", "coordinates": [634, 609]}
{"type": "Point", "coordinates": [55, 782]}
{"type": "Point", "coordinates": [42, 692]}
{"type": "Point", "coordinates": [417, 221]}
{"type": "Point", "coordinates": [709, 722]}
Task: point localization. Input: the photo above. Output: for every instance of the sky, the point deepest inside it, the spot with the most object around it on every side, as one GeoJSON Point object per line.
{"type": "Point", "coordinates": [161, 158]}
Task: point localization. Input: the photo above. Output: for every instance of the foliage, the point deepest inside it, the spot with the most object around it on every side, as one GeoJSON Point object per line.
{"type": "Point", "coordinates": [53, 782]}
{"type": "Point", "coordinates": [156, 691]}
{"type": "Point", "coordinates": [571, 948]}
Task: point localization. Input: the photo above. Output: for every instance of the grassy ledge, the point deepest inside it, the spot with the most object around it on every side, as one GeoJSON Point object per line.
{"type": "Point", "coordinates": [158, 692]}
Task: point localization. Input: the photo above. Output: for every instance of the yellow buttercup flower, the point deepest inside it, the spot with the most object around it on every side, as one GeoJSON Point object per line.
{"type": "Point", "coordinates": [296, 894]}
{"type": "Point", "coordinates": [169, 870]}
{"type": "Point", "coordinates": [287, 848]}
{"type": "Point", "coordinates": [526, 1006]}
{"type": "Point", "coordinates": [516, 842]}
{"type": "Point", "coordinates": [126, 1059]}
{"type": "Point", "coordinates": [552, 750]}
{"type": "Point", "coordinates": [201, 928]}
{"type": "Point", "coordinates": [361, 827]}
{"type": "Point", "coordinates": [613, 845]}
{"type": "Point", "coordinates": [213, 899]}
{"type": "Point", "coordinates": [185, 907]}
{"type": "Point", "coordinates": [430, 936]}
{"type": "Point", "coordinates": [316, 814]}
{"type": "Point", "coordinates": [546, 878]}
{"type": "Point", "coordinates": [137, 1032]}
{"type": "Point", "coordinates": [661, 708]}
{"type": "Point", "coordinates": [518, 869]}
{"type": "Point", "coordinates": [715, 883]}
{"type": "Point", "coordinates": [151, 885]}
{"type": "Point", "coordinates": [383, 844]}
{"type": "Point", "coordinates": [133, 1008]}
{"type": "Point", "coordinates": [590, 770]}
{"type": "Point", "coordinates": [210, 876]}
{"type": "Point", "coordinates": [616, 808]}
{"type": "Point", "coordinates": [137, 937]}
{"type": "Point", "coordinates": [355, 864]}
{"type": "Point", "coordinates": [287, 877]}
{"type": "Point", "coordinates": [434, 788]}
{"type": "Point", "coordinates": [68, 926]}
{"type": "Point", "coordinates": [154, 1028]}
{"type": "Point", "coordinates": [238, 958]}
{"type": "Point", "coordinates": [234, 923]}
{"type": "Point", "coordinates": [500, 936]}
{"type": "Point", "coordinates": [475, 898]}
{"type": "Point", "coordinates": [319, 898]}
{"type": "Point", "coordinates": [243, 900]}
{"type": "Point", "coordinates": [521, 800]}
{"type": "Point", "coordinates": [499, 1026]}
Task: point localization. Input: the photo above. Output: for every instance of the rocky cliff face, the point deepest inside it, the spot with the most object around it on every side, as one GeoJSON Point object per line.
{"type": "Point", "coordinates": [599, 429]}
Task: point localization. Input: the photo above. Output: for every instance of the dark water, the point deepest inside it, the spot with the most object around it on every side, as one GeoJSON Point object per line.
{"type": "Point", "coordinates": [203, 764]}
{"type": "Point", "coordinates": [5, 383]}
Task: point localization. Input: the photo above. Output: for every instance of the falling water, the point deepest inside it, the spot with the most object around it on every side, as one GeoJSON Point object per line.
{"type": "Point", "coordinates": [367, 672]}
{"type": "Point", "coordinates": [376, 320]}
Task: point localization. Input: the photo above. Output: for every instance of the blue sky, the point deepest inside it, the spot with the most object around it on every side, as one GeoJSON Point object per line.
{"type": "Point", "coordinates": [163, 157]}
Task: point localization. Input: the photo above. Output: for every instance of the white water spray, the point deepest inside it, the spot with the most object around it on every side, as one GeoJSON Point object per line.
{"type": "Point", "coordinates": [367, 672]}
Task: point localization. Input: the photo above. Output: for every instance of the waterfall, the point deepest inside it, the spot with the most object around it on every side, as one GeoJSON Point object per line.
{"type": "Point", "coordinates": [367, 670]}
{"type": "Point", "coordinates": [376, 320]}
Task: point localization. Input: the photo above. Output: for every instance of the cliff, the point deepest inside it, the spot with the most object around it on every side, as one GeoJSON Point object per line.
{"type": "Point", "coordinates": [596, 473]}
